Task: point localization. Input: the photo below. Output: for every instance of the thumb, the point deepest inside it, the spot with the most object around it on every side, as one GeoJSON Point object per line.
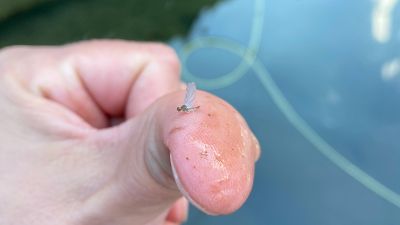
{"type": "Point", "coordinates": [212, 152]}
{"type": "Point", "coordinates": [209, 154]}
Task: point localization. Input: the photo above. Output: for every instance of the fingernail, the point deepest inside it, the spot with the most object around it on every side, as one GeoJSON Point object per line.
{"type": "Point", "coordinates": [257, 146]}
{"type": "Point", "coordinates": [184, 209]}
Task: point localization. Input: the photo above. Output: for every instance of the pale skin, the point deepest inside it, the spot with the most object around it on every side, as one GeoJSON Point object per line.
{"type": "Point", "coordinates": [90, 135]}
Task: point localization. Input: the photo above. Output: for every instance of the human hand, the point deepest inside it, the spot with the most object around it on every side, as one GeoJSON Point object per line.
{"type": "Point", "coordinates": [62, 163]}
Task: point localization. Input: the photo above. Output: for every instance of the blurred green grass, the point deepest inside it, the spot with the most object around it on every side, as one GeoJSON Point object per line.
{"type": "Point", "coordinates": [10, 7]}
{"type": "Point", "coordinates": [50, 22]}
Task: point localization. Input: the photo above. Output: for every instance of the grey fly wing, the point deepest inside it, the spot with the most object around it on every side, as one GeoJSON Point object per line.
{"type": "Point", "coordinates": [190, 95]}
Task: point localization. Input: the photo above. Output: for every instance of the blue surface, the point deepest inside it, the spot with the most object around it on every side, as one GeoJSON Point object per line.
{"type": "Point", "coordinates": [319, 84]}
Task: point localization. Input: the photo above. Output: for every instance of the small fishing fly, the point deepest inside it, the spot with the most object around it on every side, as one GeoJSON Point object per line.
{"type": "Point", "coordinates": [189, 99]}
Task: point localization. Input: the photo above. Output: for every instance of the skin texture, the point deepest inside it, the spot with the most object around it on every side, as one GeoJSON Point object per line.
{"type": "Point", "coordinates": [90, 135]}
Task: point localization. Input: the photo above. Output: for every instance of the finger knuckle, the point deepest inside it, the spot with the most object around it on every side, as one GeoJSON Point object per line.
{"type": "Point", "coordinates": [167, 54]}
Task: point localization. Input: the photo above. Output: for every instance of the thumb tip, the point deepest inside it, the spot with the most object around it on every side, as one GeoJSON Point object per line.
{"type": "Point", "coordinates": [207, 201]}
{"type": "Point", "coordinates": [210, 152]}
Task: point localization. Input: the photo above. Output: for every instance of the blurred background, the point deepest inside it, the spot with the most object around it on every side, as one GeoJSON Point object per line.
{"type": "Point", "coordinates": [318, 82]}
